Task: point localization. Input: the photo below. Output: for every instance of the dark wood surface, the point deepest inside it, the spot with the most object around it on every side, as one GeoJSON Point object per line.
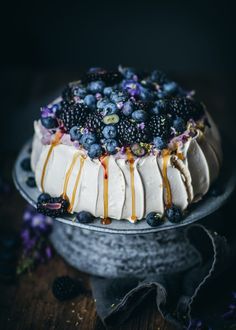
{"type": "Point", "coordinates": [28, 303]}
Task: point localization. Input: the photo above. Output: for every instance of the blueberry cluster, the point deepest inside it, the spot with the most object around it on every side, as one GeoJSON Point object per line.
{"type": "Point", "coordinates": [107, 110]}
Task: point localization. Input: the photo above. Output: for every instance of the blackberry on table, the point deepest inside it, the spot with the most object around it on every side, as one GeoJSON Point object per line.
{"type": "Point", "coordinates": [160, 125]}
{"type": "Point", "coordinates": [65, 287]}
{"type": "Point", "coordinates": [95, 124]}
{"type": "Point", "coordinates": [53, 207]}
{"type": "Point", "coordinates": [73, 114]}
{"type": "Point", "coordinates": [185, 108]}
{"type": "Point", "coordinates": [130, 132]}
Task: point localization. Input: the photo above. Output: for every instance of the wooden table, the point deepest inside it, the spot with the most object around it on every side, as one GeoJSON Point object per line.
{"type": "Point", "coordinates": [29, 303]}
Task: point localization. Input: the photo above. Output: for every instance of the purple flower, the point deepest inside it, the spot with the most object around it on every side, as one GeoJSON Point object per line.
{"type": "Point", "coordinates": [141, 126]}
{"type": "Point", "coordinates": [46, 112]}
{"type": "Point", "coordinates": [132, 87]}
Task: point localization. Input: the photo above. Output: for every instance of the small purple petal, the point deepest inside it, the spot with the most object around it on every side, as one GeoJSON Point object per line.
{"type": "Point", "coordinates": [120, 105]}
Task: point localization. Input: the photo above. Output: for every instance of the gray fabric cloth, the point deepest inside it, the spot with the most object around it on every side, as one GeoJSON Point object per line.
{"type": "Point", "coordinates": [175, 293]}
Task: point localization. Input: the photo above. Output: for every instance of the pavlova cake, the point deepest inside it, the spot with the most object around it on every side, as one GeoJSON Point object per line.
{"type": "Point", "coordinates": [124, 145]}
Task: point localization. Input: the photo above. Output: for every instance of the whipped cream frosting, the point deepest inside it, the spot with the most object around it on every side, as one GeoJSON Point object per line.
{"type": "Point", "coordinates": [182, 178]}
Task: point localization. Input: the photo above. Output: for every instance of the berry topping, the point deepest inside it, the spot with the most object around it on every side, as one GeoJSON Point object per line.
{"type": "Point", "coordinates": [154, 219]}
{"type": "Point", "coordinates": [52, 207]}
{"type": "Point", "coordinates": [111, 146]}
{"type": "Point", "coordinates": [109, 132]}
{"type": "Point", "coordinates": [84, 217]}
{"type": "Point", "coordinates": [75, 133]}
{"type": "Point", "coordinates": [31, 182]}
{"type": "Point", "coordinates": [136, 107]}
{"type": "Point", "coordinates": [26, 165]}
{"type": "Point", "coordinates": [174, 214]}
{"type": "Point", "coordinates": [95, 150]}
{"type": "Point", "coordinates": [64, 288]}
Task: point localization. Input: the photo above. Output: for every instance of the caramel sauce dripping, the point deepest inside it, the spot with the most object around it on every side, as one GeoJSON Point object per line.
{"type": "Point", "coordinates": [166, 183]}
{"type": "Point", "coordinates": [68, 174]}
{"type": "Point", "coordinates": [105, 161]}
{"type": "Point", "coordinates": [131, 168]}
{"type": "Point", "coordinates": [82, 160]}
{"type": "Point", "coordinates": [54, 143]}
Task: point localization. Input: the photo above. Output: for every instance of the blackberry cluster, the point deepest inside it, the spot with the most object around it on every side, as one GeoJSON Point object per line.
{"type": "Point", "coordinates": [53, 206]}
{"type": "Point", "coordinates": [73, 114]}
{"type": "Point", "coordinates": [160, 125]}
{"type": "Point", "coordinates": [94, 124]}
{"type": "Point", "coordinates": [109, 77]}
{"type": "Point", "coordinates": [130, 132]}
{"type": "Point", "coordinates": [65, 287]}
{"type": "Point", "coordinates": [185, 108]}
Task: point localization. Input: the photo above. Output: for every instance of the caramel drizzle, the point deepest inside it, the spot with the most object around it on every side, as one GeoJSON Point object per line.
{"type": "Point", "coordinates": [82, 160]}
{"type": "Point", "coordinates": [105, 162]}
{"type": "Point", "coordinates": [131, 168]}
{"type": "Point", "coordinates": [54, 143]}
{"type": "Point", "coordinates": [68, 174]}
{"type": "Point", "coordinates": [166, 182]}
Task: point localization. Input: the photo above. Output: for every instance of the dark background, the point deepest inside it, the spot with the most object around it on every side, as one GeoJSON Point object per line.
{"type": "Point", "coordinates": [45, 44]}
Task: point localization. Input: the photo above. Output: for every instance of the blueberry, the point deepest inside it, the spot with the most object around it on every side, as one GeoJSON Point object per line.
{"type": "Point", "coordinates": [96, 86]}
{"type": "Point", "coordinates": [170, 87]}
{"type": "Point", "coordinates": [75, 134]}
{"type": "Point", "coordinates": [49, 122]}
{"type": "Point", "coordinates": [117, 97]}
{"type": "Point", "coordinates": [26, 165]}
{"type": "Point", "coordinates": [79, 91]}
{"type": "Point", "coordinates": [139, 116]}
{"type": "Point", "coordinates": [31, 182]}
{"type": "Point", "coordinates": [111, 119]}
{"type": "Point", "coordinates": [107, 91]}
{"type": "Point", "coordinates": [109, 132]}
{"type": "Point", "coordinates": [128, 73]}
{"type": "Point", "coordinates": [111, 146]}
{"type": "Point", "coordinates": [84, 217]}
{"type": "Point", "coordinates": [95, 150]}
{"type": "Point", "coordinates": [159, 107]}
{"type": "Point", "coordinates": [179, 125]}
{"type": "Point", "coordinates": [44, 198]}
{"type": "Point", "coordinates": [90, 100]}
{"type": "Point", "coordinates": [110, 109]}
{"type": "Point", "coordinates": [146, 95]}
{"type": "Point", "coordinates": [128, 108]}
{"type": "Point", "coordinates": [174, 214]}
{"type": "Point", "coordinates": [87, 139]}
{"type": "Point", "coordinates": [101, 103]}
{"type": "Point", "coordinates": [138, 150]}
{"type": "Point", "coordinates": [154, 219]}
{"type": "Point", "coordinates": [159, 143]}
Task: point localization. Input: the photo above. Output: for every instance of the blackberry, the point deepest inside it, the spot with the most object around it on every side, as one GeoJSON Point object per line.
{"type": "Point", "coordinates": [160, 125]}
{"type": "Point", "coordinates": [130, 132]}
{"type": "Point", "coordinates": [185, 108]}
{"type": "Point", "coordinates": [109, 77]}
{"type": "Point", "coordinates": [94, 124]}
{"type": "Point", "coordinates": [65, 287]}
{"type": "Point", "coordinates": [143, 105]}
{"type": "Point", "coordinates": [73, 114]}
{"type": "Point", "coordinates": [53, 207]}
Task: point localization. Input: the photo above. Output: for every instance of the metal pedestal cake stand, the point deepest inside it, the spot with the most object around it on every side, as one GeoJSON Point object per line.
{"type": "Point", "coordinates": [123, 249]}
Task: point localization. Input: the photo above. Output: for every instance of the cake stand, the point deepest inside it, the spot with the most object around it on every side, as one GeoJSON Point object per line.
{"type": "Point", "coordinates": [123, 249]}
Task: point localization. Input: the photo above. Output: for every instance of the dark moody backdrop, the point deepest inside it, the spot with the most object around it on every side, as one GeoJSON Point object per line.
{"type": "Point", "coordinates": [44, 44]}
